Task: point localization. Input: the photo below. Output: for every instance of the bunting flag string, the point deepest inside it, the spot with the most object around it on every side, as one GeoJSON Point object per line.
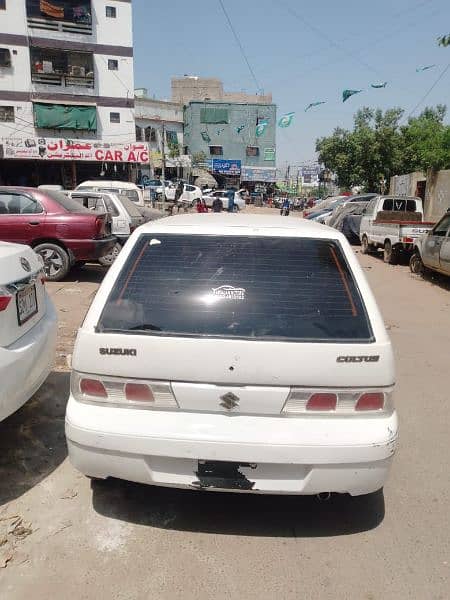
{"type": "Point", "coordinates": [346, 94]}
{"type": "Point", "coordinates": [286, 120]}
{"type": "Point", "coordinates": [420, 69]}
{"type": "Point", "coordinates": [313, 104]}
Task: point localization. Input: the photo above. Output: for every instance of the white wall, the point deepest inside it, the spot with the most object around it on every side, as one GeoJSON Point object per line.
{"type": "Point", "coordinates": [13, 19]}
{"type": "Point", "coordinates": [117, 84]}
{"type": "Point", "coordinates": [17, 78]}
{"type": "Point", "coordinates": [115, 32]}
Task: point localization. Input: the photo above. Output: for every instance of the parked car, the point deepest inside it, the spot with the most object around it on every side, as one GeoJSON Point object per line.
{"type": "Point", "coordinates": [239, 301]}
{"type": "Point", "coordinates": [357, 199]}
{"type": "Point", "coordinates": [131, 190]}
{"type": "Point", "coordinates": [125, 217]}
{"type": "Point", "coordinates": [28, 327]}
{"type": "Point", "coordinates": [392, 223]}
{"type": "Point", "coordinates": [432, 251]}
{"type": "Point", "coordinates": [324, 205]}
{"type": "Point", "coordinates": [347, 220]}
{"type": "Point", "coordinates": [191, 194]}
{"type": "Point", "coordinates": [239, 202]}
{"type": "Point", "coordinates": [57, 227]}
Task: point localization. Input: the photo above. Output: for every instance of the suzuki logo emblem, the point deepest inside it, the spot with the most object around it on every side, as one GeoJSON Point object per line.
{"type": "Point", "coordinates": [229, 400]}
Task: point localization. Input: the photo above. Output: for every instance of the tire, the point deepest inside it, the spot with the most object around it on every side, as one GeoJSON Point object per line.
{"type": "Point", "coordinates": [236, 208]}
{"type": "Point", "coordinates": [415, 264]}
{"type": "Point", "coordinates": [390, 255]}
{"type": "Point", "coordinates": [56, 261]}
{"type": "Point", "coordinates": [108, 259]}
{"type": "Point", "coordinates": [365, 246]}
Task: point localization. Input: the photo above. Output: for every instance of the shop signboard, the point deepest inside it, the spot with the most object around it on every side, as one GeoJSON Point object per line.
{"type": "Point", "coordinates": [266, 174]}
{"type": "Point", "coordinates": [226, 167]}
{"type": "Point", "coordinates": [66, 149]}
{"type": "Point", "coordinates": [310, 174]}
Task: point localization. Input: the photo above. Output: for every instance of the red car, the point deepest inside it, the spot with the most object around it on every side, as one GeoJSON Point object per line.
{"type": "Point", "coordinates": [58, 228]}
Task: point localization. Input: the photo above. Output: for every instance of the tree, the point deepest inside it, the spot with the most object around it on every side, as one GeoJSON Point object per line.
{"type": "Point", "coordinates": [425, 141]}
{"type": "Point", "coordinates": [366, 155]}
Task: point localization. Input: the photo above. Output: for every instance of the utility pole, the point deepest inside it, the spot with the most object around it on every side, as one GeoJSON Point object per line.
{"type": "Point", "coordinates": [163, 165]}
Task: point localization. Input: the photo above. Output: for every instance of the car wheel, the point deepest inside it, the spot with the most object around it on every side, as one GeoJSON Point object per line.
{"type": "Point", "coordinates": [108, 259]}
{"type": "Point", "coordinates": [236, 208]}
{"type": "Point", "coordinates": [390, 254]}
{"type": "Point", "coordinates": [56, 261]}
{"type": "Point", "coordinates": [416, 264]}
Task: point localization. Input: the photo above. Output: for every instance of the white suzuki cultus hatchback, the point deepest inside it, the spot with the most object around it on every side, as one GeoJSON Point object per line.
{"type": "Point", "coordinates": [235, 352]}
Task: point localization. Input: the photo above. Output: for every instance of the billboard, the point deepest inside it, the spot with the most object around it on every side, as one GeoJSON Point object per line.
{"type": "Point", "coordinates": [226, 167]}
{"type": "Point", "coordinates": [310, 174]}
{"type": "Point", "coordinates": [266, 174]}
{"type": "Point", "coordinates": [65, 149]}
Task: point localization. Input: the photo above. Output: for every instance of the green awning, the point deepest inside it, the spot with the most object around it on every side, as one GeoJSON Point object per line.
{"type": "Point", "coordinates": [215, 116]}
{"type": "Point", "coordinates": [64, 116]}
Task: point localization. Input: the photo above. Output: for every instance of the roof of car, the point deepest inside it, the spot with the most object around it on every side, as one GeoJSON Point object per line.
{"type": "Point", "coordinates": [108, 183]}
{"type": "Point", "coordinates": [228, 223]}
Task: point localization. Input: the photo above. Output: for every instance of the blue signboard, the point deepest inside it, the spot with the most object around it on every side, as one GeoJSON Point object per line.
{"type": "Point", "coordinates": [226, 167]}
{"type": "Point", "coordinates": [263, 174]}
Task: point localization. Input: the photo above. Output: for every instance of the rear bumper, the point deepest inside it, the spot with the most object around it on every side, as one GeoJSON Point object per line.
{"type": "Point", "coordinates": [276, 455]}
{"type": "Point", "coordinates": [91, 249]}
{"type": "Point", "coordinates": [25, 365]}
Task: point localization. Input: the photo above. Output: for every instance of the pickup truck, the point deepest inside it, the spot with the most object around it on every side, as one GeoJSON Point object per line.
{"type": "Point", "coordinates": [392, 223]}
{"type": "Point", "coordinates": [58, 228]}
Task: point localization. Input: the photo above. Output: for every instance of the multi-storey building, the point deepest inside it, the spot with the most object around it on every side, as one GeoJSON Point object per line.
{"type": "Point", "coordinates": [67, 91]}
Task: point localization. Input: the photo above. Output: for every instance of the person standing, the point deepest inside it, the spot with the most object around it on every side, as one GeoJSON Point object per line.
{"type": "Point", "coordinates": [217, 205]}
{"type": "Point", "coordinates": [230, 196]}
{"type": "Point", "coordinates": [285, 207]}
{"type": "Point", "coordinates": [178, 193]}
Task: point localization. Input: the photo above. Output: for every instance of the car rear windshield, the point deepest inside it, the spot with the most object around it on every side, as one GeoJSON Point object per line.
{"type": "Point", "coordinates": [240, 287]}
{"type": "Point", "coordinates": [66, 202]}
{"type": "Point", "coordinates": [129, 206]}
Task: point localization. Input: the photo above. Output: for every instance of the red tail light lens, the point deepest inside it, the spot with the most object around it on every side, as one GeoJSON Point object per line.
{"type": "Point", "coordinates": [370, 401]}
{"type": "Point", "coordinates": [138, 392]}
{"type": "Point", "coordinates": [322, 402]}
{"type": "Point", "coordinates": [93, 387]}
{"type": "Point", "coordinates": [4, 301]}
{"type": "Point", "coordinates": [100, 226]}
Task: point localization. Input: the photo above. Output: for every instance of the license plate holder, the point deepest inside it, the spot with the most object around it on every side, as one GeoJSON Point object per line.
{"type": "Point", "coordinates": [223, 475]}
{"type": "Point", "coordinates": [26, 302]}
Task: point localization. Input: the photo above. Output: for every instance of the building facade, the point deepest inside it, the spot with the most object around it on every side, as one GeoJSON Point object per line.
{"type": "Point", "coordinates": [235, 141]}
{"type": "Point", "coordinates": [188, 88]}
{"type": "Point", "coordinates": [67, 91]}
{"type": "Point", "coordinates": [160, 125]}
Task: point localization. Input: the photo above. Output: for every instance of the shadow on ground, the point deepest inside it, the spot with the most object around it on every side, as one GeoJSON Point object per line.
{"type": "Point", "coordinates": [237, 514]}
{"type": "Point", "coordinates": [32, 441]}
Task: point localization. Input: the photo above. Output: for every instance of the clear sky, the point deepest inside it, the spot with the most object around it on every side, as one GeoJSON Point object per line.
{"type": "Point", "coordinates": [301, 52]}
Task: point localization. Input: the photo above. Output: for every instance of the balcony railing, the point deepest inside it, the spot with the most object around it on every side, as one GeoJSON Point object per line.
{"type": "Point", "coordinates": [62, 26]}
{"type": "Point", "coordinates": [60, 79]}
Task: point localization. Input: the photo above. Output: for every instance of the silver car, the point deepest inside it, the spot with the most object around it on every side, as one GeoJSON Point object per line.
{"type": "Point", "coordinates": [432, 251]}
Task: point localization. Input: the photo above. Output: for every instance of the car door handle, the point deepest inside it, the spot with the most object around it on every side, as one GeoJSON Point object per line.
{"type": "Point", "coordinates": [33, 223]}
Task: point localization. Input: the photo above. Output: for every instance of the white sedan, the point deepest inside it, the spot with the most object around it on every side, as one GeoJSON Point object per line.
{"type": "Point", "coordinates": [239, 202]}
{"type": "Point", "coordinates": [191, 194]}
{"type": "Point", "coordinates": [28, 327]}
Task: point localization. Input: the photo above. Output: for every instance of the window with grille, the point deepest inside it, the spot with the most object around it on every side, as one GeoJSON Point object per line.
{"type": "Point", "coordinates": [111, 12]}
{"type": "Point", "coordinates": [5, 57]}
{"type": "Point", "coordinates": [114, 117]}
{"type": "Point", "coordinates": [7, 114]}
{"type": "Point", "coordinates": [113, 64]}
{"type": "Point", "coordinates": [216, 150]}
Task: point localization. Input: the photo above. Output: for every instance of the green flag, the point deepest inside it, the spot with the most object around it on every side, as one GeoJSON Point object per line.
{"type": "Point", "coordinates": [313, 104]}
{"type": "Point", "coordinates": [286, 120]}
{"type": "Point", "coordinates": [346, 94]}
{"type": "Point", "coordinates": [378, 86]}
{"type": "Point", "coordinates": [261, 127]}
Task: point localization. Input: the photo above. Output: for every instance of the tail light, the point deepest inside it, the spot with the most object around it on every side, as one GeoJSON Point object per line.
{"type": "Point", "coordinates": [338, 402]}
{"type": "Point", "coordinates": [5, 298]}
{"type": "Point", "coordinates": [118, 391]}
{"type": "Point", "coordinates": [100, 227]}
{"type": "Point", "coordinates": [408, 240]}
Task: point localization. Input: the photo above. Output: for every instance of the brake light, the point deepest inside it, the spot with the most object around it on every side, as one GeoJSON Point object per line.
{"type": "Point", "coordinates": [93, 388]}
{"type": "Point", "coordinates": [138, 392]}
{"type": "Point", "coordinates": [5, 299]}
{"type": "Point", "coordinates": [122, 392]}
{"type": "Point", "coordinates": [100, 227]}
{"type": "Point", "coordinates": [322, 402]}
{"type": "Point", "coordinates": [337, 402]}
{"type": "Point", "coordinates": [408, 240]}
{"type": "Point", "coordinates": [370, 401]}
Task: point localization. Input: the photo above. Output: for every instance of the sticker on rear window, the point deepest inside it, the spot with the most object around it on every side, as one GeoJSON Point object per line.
{"type": "Point", "coordinates": [229, 292]}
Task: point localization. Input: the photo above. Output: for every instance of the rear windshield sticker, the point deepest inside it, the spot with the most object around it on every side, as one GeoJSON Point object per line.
{"type": "Point", "coordinates": [229, 292]}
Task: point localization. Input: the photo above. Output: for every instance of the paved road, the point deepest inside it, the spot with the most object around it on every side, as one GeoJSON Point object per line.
{"type": "Point", "coordinates": [123, 541]}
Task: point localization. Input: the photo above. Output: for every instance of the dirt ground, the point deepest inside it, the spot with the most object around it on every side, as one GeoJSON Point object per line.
{"type": "Point", "coordinates": [63, 537]}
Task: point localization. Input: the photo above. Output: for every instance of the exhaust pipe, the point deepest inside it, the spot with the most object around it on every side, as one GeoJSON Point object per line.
{"type": "Point", "coordinates": [324, 496]}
